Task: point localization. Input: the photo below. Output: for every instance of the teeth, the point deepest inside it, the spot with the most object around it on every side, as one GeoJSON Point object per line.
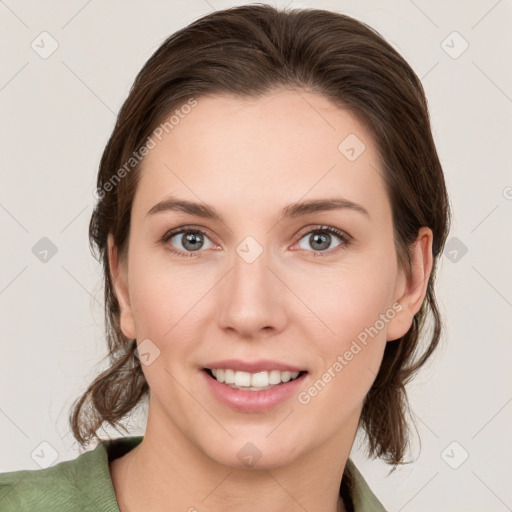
{"type": "Point", "coordinates": [253, 381]}
{"type": "Point", "coordinates": [242, 379]}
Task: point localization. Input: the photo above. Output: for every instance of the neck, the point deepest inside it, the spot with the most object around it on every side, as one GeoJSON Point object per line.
{"type": "Point", "coordinates": [167, 471]}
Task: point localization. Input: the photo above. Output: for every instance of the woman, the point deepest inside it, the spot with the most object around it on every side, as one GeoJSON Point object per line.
{"type": "Point", "coordinates": [270, 213]}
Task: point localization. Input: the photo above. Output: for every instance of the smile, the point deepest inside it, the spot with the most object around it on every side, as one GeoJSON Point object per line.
{"type": "Point", "coordinates": [252, 381]}
{"type": "Point", "coordinates": [248, 392]}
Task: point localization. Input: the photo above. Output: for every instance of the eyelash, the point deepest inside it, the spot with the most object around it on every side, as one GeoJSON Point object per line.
{"type": "Point", "coordinates": [346, 239]}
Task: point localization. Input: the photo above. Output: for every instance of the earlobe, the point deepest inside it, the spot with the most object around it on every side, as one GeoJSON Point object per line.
{"type": "Point", "coordinates": [119, 276]}
{"type": "Point", "coordinates": [412, 295]}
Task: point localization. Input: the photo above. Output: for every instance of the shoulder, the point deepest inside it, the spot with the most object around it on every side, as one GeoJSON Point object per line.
{"type": "Point", "coordinates": [362, 496]}
{"type": "Point", "coordinates": [80, 484]}
{"type": "Point", "coordinates": [36, 489]}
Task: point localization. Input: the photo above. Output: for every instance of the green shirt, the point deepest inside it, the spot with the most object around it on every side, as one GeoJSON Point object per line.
{"type": "Point", "coordinates": [84, 484]}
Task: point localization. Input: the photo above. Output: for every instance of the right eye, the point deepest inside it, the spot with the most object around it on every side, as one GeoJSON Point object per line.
{"type": "Point", "coordinates": [187, 241]}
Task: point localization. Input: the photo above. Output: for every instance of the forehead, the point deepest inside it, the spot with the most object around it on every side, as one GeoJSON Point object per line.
{"type": "Point", "coordinates": [257, 152]}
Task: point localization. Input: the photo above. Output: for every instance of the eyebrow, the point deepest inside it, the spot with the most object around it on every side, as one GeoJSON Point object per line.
{"type": "Point", "coordinates": [288, 212]}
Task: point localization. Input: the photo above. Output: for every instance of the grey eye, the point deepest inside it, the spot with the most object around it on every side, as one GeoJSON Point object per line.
{"type": "Point", "coordinates": [319, 240]}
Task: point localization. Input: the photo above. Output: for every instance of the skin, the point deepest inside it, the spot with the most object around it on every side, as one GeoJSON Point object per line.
{"type": "Point", "coordinates": [249, 159]}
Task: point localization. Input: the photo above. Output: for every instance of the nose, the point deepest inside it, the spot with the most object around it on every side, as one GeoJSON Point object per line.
{"type": "Point", "coordinates": [253, 299]}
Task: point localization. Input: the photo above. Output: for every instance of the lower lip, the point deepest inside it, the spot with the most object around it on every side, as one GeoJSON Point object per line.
{"type": "Point", "coordinates": [252, 401]}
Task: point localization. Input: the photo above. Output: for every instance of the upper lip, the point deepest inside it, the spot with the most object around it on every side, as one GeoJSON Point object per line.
{"type": "Point", "coordinates": [260, 365]}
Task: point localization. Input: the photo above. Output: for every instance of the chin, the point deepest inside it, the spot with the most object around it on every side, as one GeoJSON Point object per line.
{"type": "Point", "coordinates": [254, 451]}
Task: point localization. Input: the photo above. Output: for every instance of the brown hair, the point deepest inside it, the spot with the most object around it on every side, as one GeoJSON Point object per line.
{"type": "Point", "coordinates": [248, 51]}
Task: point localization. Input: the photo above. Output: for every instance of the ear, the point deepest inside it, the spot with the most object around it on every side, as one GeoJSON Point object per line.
{"type": "Point", "coordinates": [119, 276]}
{"type": "Point", "coordinates": [411, 291]}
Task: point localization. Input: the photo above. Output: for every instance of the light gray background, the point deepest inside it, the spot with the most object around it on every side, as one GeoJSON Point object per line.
{"type": "Point", "coordinates": [57, 113]}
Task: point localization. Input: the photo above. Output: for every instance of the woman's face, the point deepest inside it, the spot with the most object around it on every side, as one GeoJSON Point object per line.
{"type": "Point", "coordinates": [250, 276]}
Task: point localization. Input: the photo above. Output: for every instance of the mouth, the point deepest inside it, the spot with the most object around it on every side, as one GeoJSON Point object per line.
{"type": "Point", "coordinates": [258, 381]}
{"type": "Point", "coordinates": [253, 386]}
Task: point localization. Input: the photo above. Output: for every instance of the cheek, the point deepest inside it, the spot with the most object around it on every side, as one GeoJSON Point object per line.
{"type": "Point", "coordinates": [152, 298]}
{"type": "Point", "coordinates": [152, 292]}
{"type": "Point", "coordinates": [163, 309]}
{"type": "Point", "coordinates": [357, 310]}
{"type": "Point", "coordinates": [349, 357]}
{"type": "Point", "coordinates": [351, 299]}
{"type": "Point", "coordinates": [167, 302]}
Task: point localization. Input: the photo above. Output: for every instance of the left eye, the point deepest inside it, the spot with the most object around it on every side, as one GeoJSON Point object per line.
{"type": "Point", "coordinates": [321, 238]}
